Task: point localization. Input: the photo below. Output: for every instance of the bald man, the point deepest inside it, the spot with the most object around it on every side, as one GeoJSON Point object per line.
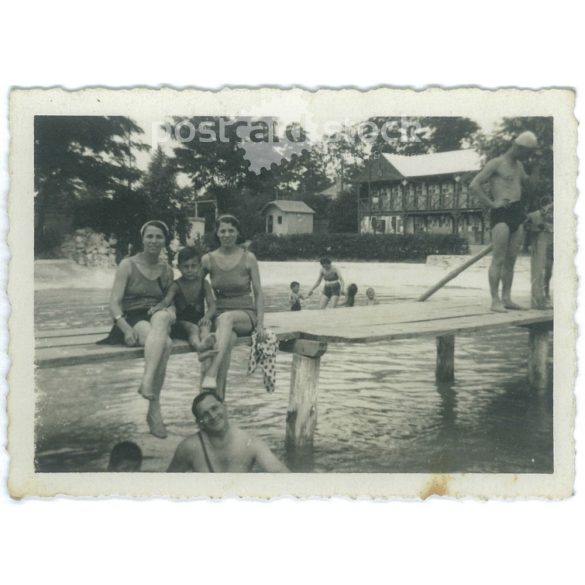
{"type": "Point", "coordinates": [504, 177]}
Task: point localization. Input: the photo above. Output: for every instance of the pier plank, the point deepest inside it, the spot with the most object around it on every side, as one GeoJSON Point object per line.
{"type": "Point", "coordinates": [392, 321]}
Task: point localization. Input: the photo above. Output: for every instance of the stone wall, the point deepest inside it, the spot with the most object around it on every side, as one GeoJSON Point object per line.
{"type": "Point", "coordinates": [89, 248]}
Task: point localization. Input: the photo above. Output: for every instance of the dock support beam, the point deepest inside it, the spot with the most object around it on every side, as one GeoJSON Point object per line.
{"type": "Point", "coordinates": [538, 357]}
{"type": "Point", "coordinates": [301, 417]}
{"type": "Point", "coordinates": [445, 370]}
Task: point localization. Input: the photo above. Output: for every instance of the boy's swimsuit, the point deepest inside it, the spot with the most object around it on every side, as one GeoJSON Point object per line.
{"type": "Point", "coordinates": [233, 288]}
{"type": "Point", "coordinates": [190, 312]}
{"type": "Point", "coordinates": [512, 215]}
{"type": "Point", "coordinates": [140, 295]}
{"type": "Point", "coordinates": [295, 303]}
{"type": "Point", "coordinates": [332, 286]}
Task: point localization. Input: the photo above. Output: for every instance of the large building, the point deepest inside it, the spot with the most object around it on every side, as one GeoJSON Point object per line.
{"type": "Point", "coordinates": [421, 193]}
{"type": "Point", "coordinates": [288, 217]}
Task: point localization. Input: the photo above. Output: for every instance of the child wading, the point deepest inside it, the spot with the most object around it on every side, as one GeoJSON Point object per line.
{"type": "Point", "coordinates": [333, 284]}
{"type": "Point", "coordinates": [295, 297]}
{"type": "Point", "coordinates": [190, 293]}
{"type": "Point", "coordinates": [371, 296]}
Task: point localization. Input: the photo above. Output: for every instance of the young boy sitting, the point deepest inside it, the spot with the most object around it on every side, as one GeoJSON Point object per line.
{"type": "Point", "coordinates": [190, 293]}
{"type": "Point", "coordinates": [295, 297]}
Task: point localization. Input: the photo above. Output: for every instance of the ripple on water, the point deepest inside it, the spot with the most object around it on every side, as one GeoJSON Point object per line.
{"type": "Point", "coordinates": [379, 408]}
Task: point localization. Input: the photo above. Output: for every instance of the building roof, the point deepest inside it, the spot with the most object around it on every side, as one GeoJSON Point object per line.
{"type": "Point", "coordinates": [287, 206]}
{"type": "Point", "coordinates": [389, 167]}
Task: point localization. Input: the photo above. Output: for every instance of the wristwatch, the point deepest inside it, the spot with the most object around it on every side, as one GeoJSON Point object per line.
{"type": "Point", "coordinates": [118, 317]}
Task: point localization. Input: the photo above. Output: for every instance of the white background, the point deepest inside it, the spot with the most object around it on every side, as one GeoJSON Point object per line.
{"type": "Point", "coordinates": [76, 44]}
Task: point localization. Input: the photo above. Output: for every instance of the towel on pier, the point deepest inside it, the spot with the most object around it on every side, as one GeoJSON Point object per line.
{"type": "Point", "coordinates": [263, 353]}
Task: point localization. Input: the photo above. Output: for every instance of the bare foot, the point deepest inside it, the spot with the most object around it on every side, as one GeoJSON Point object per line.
{"type": "Point", "coordinates": [156, 424]}
{"type": "Point", "coordinates": [145, 390]}
{"type": "Point", "coordinates": [209, 383]}
{"type": "Point", "coordinates": [498, 307]}
{"type": "Point", "coordinates": [203, 355]}
{"type": "Point", "coordinates": [513, 306]}
{"type": "Point", "coordinates": [208, 343]}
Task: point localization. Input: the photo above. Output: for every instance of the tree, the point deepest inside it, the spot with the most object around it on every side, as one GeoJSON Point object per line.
{"type": "Point", "coordinates": [343, 214]}
{"type": "Point", "coordinates": [81, 156]}
{"type": "Point", "coordinates": [164, 199]}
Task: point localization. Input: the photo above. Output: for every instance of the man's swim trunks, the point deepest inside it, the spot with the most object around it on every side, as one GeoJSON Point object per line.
{"type": "Point", "coordinates": [512, 215]}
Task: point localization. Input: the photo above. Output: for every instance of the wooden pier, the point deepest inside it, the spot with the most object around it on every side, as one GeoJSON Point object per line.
{"type": "Point", "coordinates": [307, 333]}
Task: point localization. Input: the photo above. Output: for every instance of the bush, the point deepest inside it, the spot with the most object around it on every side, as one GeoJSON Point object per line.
{"type": "Point", "coordinates": [383, 247]}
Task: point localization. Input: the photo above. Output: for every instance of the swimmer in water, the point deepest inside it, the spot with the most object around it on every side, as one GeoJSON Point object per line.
{"type": "Point", "coordinates": [220, 447]}
{"type": "Point", "coordinates": [371, 297]}
{"type": "Point", "coordinates": [125, 457]}
{"type": "Point", "coordinates": [334, 285]}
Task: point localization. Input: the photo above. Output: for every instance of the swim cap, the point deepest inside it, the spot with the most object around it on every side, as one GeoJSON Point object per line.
{"type": "Point", "coordinates": [527, 139]}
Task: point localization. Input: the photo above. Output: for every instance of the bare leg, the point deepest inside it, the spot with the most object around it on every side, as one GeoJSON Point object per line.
{"type": "Point", "coordinates": [500, 235]}
{"type": "Point", "coordinates": [154, 416]}
{"type": "Point", "coordinates": [224, 367]}
{"type": "Point", "coordinates": [227, 323]}
{"type": "Point", "coordinates": [323, 301]}
{"type": "Point", "coordinates": [155, 342]}
{"type": "Point", "coordinates": [514, 243]}
{"type": "Point", "coordinates": [334, 301]}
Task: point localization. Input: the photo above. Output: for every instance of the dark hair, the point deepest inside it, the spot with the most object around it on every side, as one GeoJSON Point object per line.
{"type": "Point", "coordinates": [325, 260]}
{"type": "Point", "coordinates": [200, 397]}
{"type": "Point", "coordinates": [161, 225]}
{"type": "Point", "coordinates": [352, 290]}
{"type": "Point", "coordinates": [294, 283]}
{"type": "Point", "coordinates": [232, 220]}
{"type": "Point", "coordinates": [125, 451]}
{"type": "Point", "coordinates": [186, 254]}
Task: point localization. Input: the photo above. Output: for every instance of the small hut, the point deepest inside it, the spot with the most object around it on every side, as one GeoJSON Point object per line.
{"type": "Point", "coordinates": [288, 217]}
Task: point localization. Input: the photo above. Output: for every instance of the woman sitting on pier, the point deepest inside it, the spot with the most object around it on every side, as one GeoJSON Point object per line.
{"type": "Point", "coordinates": [234, 276]}
{"type": "Point", "coordinates": [140, 283]}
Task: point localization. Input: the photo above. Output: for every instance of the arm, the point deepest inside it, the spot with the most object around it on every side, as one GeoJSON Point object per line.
{"type": "Point", "coordinates": [209, 303]}
{"type": "Point", "coordinates": [182, 458]}
{"type": "Point", "coordinates": [258, 294]}
{"type": "Point", "coordinates": [116, 298]}
{"type": "Point", "coordinates": [477, 185]}
{"type": "Point", "coordinates": [266, 459]}
{"type": "Point", "coordinates": [317, 283]}
{"type": "Point", "coordinates": [341, 282]}
{"type": "Point", "coordinates": [166, 301]}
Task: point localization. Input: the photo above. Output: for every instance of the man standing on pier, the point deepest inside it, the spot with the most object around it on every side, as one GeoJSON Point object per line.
{"type": "Point", "coordinates": [504, 175]}
{"type": "Point", "coordinates": [219, 446]}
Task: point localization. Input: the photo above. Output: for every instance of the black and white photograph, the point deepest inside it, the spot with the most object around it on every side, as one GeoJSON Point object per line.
{"type": "Point", "coordinates": [329, 291]}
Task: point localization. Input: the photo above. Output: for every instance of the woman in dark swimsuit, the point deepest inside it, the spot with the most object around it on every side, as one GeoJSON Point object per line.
{"type": "Point", "coordinates": [140, 283]}
{"type": "Point", "coordinates": [234, 277]}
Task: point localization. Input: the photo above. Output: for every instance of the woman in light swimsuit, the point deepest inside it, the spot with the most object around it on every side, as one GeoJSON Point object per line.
{"type": "Point", "coordinates": [333, 286]}
{"type": "Point", "coordinates": [140, 283]}
{"type": "Point", "coordinates": [234, 277]}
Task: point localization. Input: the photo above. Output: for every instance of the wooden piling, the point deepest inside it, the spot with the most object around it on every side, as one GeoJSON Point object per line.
{"type": "Point", "coordinates": [538, 357]}
{"type": "Point", "coordinates": [445, 369]}
{"type": "Point", "coordinates": [537, 264]}
{"type": "Point", "coordinates": [301, 418]}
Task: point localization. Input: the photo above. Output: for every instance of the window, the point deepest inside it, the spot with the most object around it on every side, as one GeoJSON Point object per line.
{"type": "Point", "coordinates": [279, 219]}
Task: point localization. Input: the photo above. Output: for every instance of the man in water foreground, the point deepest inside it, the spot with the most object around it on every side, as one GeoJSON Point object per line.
{"type": "Point", "coordinates": [504, 176]}
{"type": "Point", "coordinates": [220, 447]}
